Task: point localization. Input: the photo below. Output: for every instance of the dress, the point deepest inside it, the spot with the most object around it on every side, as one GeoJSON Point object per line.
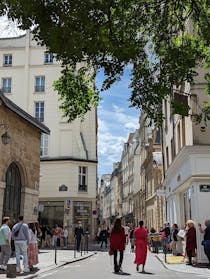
{"type": "Point", "coordinates": [32, 249]}
{"type": "Point", "coordinates": [140, 235]}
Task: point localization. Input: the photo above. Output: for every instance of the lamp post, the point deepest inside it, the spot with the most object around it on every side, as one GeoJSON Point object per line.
{"type": "Point", "coordinates": [5, 138]}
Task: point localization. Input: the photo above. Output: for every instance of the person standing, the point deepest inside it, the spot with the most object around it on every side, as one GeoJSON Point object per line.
{"type": "Point", "coordinates": [20, 234]}
{"type": "Point", "coordinates": [117, 243]}
{"type": "Point", "coordinates": [5, 243]}
{"type": "Point", "coordinates": [190, 240]}
{"type": "Point", "coordinates": [206, 238]}
{"type": "Point", "coordinates": [58, 233]}
{"type": "Point", "coordinates": [140, 235]}
{"type": "Point", "coordinates": [78, 233]}
{"type": "Point", "coordinates": [174, 239]}
{"type": "Point", "coordinates": [32, 247]}
{"type": "Point", "coordinates": [65, 237]}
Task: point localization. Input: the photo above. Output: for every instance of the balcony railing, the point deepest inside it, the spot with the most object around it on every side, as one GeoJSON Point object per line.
{"type": "Point", "coordinates": [39, 88]}
{"type": "Point", "coordinates": [6, 89]}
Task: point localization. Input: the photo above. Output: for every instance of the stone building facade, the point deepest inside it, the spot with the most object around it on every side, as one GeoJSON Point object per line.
{"type": "Point", "coordinates": [19, 161]}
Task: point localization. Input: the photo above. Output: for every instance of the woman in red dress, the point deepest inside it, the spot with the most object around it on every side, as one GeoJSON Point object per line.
{"type": "Point", "coordinates": [140, 235]}
{"type": "Point", "coordinates": [117, 243]}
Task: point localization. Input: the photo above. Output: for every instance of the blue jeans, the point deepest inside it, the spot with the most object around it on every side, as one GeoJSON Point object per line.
{"type": "Point", "coordinates": [21, 249]}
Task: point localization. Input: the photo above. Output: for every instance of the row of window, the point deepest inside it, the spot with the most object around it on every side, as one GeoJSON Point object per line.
{"type": "Point", "coordinates": [7, 59]}
{"type": "Point", "coordinates": [39, 84]}
{"type": "Point", "coordinates": [82, 179]}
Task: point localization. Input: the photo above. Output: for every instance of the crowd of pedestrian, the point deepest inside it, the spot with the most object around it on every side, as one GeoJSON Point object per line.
{"type": "Point", "coordinates": [24, 240]}
{"type": "Point", "coordinates": [178, 241]}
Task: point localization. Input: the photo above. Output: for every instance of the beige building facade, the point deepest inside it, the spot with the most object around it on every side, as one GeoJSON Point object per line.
{"type": "Point", "coordinates": [186, 147]}
{"type": "Point", "coordinates": [68, 172]}
{"type": "Point", "coordinates": [19, 162]}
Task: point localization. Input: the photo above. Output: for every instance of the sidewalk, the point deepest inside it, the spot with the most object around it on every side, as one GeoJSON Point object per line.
{"type": "Point", "coordinates": [47, 261]}
{"type": "Point", "coordinates": [179, 265]}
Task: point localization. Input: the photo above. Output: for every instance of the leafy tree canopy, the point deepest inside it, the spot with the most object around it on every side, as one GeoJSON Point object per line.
{"type": "Point", "coordinates": [154, 37]}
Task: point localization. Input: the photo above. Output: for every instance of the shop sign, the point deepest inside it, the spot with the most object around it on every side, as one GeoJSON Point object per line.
{"type": "Point", "coordinates": [68, 204]}
{"type": "Point", "coordinates": [204, 188]}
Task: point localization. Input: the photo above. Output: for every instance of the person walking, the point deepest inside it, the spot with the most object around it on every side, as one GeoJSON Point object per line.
{"type": "Point", "coordinates": [117, 243]}
{"type": "Point", "coordinates": [206, 238]}
{"type": "Point", "coordinates": [20, 234]}
{"type": "Point", "coordinates": [131, 237]}
{"type": "Point", "coordinates": [32, 247]}
{"type": "Point", "coordinates": [140, 235]}
{"type": "Point", "coordinates": [190, 240]}
{"type": "Point", "coordinates": [78, 233]}
{"type": "Point", "coordinates": [5, 243]}
{"type": "Point", "coordinates": [104, 237]}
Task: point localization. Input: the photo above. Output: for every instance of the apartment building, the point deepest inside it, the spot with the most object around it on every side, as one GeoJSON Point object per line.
{"type": "Point", "coordinates": [186, 147]}
{"type": "Point", "coordinates": [68, 172]}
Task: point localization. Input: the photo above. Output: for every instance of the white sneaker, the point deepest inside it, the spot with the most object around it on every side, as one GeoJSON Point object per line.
{"type": "Point", "coordinates": [26, 270]}
{"type": "Point", "coordinates": [18, 269]}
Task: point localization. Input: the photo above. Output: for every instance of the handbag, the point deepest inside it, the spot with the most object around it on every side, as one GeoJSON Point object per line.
{"type": "Point", "coordinates": [206, 244]}
{"type": "Point", "coordinates": [110, 252]}
{"type": "Point", "coordinates": [181, 233]}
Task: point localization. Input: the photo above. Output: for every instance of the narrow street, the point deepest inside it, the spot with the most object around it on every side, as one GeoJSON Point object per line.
{"type": "Point", "coordinates": [100, 266]}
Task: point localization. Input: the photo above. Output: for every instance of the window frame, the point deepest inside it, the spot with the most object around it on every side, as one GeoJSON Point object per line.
{"type": "Point", "coordinates": [7, 60]}
{"type": "Point", "coordinates": [82, 179]}
{"type": "Point", "coordinates": [8, 88]}
{"type": "Point", "coordinates": [39, 112]}
{"type": "Point", "coordinates": [39, 84]}
{"type": "Point", "coordinates": [44, 145]}
{"type": "Point", "coordinates": [48, 57]}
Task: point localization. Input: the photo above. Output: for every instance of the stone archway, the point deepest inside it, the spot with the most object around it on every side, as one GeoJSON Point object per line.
{"type": "Point", "coordinates": [12, 192]}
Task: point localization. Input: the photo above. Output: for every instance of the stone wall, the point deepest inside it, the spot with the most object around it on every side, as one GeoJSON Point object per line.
{"type": "Point", "coordinates": [24, 150]}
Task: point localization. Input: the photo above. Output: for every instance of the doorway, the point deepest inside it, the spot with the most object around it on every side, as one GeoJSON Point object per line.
{"type": "Point", "coordinates": [12, 193]}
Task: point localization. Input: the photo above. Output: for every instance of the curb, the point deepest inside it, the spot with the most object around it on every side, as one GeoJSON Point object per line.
{"type": "Point", "coordinates": [58, 266]}
{"type": "Point", "coordinates": [167, 266]}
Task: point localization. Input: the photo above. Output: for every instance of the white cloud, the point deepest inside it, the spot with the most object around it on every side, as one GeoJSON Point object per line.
{"type": "Point", "coordinates": [114, 128]}
{"type": "Point", "coordinates": [9, 28]}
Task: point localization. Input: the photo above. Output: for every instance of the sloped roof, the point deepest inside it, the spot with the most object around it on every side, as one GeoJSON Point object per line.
{"type": "Point", "coordinates": [23, 114]}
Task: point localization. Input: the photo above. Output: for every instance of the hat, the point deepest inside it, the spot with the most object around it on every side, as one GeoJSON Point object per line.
{"type": "Point", "coordinates": [6, 218]}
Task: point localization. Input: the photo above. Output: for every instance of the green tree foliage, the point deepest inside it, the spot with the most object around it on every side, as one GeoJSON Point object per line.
{"type": "Point", "coordinates": [154, 37]}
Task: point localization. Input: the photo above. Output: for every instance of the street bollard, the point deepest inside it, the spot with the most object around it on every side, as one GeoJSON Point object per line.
{"type": "Point", "coordinates": [56, 253]}
{"type": "Point", "coordinates": [11, 270]}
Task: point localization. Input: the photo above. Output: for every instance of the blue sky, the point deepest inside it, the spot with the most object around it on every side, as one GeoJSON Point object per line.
{"type": "Point", "coordinates": [115, 121]}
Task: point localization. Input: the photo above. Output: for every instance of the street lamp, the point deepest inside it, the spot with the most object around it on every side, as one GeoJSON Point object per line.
{"type": "Point", "coordinates": [5, 138]}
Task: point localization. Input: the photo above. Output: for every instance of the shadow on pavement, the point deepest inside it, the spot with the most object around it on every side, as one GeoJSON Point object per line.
{"type": "Point", "coordinates": [122, 273]}
{"type": "Point", "coordinates": [146, 272]}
